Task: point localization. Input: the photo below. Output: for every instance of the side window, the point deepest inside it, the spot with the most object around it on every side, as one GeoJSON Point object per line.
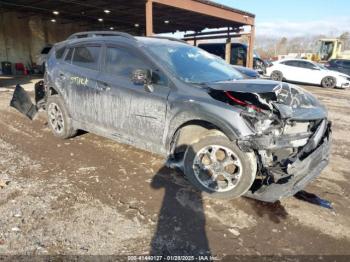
{"type": "Point", "coordinates": [68, 57]}
{"type": "Point", "coordinates": [306, 65]}
{"type": "Point", "coordinates": [122, 62]}
{"type": "Point", "coordinates": [86, 56]}
{"type": "Point", "coordinates": [59, 52]}
{"type": "Point", "coordinates": [291, 63]}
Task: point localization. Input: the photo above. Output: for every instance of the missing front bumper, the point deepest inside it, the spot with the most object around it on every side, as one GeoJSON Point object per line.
{"type": "Point", "coordinates": [299, 173]}
{"type": "Point", "coordinates": [23, 103]}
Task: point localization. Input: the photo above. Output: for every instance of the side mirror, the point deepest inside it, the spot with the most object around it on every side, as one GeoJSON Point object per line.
{"type": "Point", "coordinates": [143, 77]}
{"type": "Point", "coordinates": [315, 68]}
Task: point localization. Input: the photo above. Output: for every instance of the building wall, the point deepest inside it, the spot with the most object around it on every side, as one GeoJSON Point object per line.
{"type": "Point", "coordinates": [21, 39]}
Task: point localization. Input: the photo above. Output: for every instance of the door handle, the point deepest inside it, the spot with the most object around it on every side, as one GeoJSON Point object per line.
{"type": "Point", "coordinates": [61, 75]}
{"type": "Point", "coordinates": [105, 86]}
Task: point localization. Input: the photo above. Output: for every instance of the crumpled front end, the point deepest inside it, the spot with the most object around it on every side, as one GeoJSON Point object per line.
{"type": "Point", "coordinates": [291, 136]}
{"type": "Point", "coordinates": [285, 170]}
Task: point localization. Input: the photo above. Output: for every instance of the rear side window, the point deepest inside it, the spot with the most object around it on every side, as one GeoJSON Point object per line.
{"type": "Point", "coordinates": [60, 52]}
{"type": "Point", "coordinates": [122, 62]}
{"type": "Point", "coordinates": [68, 58]}
{"type": "Point", "coordinates": [86, 56]}
{"type": "Point", "coordinates": [46, 50]}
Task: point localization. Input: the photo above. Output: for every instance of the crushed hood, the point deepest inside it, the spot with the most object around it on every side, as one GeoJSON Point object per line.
{"type": "Point", "coordinates": [290, 101]}
{"type": "Point", "coordinates": [252, 86]}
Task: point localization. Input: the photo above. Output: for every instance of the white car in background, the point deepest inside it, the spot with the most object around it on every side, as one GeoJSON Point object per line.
{"type": "Point", "coordinates": [303, 71]}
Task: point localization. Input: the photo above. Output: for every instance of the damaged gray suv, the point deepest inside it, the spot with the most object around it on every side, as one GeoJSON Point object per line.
{"type": "Point", "coordinates": [229, 136]}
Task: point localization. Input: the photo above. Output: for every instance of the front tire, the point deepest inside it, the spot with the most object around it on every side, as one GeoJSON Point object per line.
{"type": "Point", "coordinates": [58, 119]}
{"type": "Point", "coordinates": [216, 166]}
{"type": "Point", "coordinates": [329, 82]}
{"type": "Point", "coordinates": [277, 76]}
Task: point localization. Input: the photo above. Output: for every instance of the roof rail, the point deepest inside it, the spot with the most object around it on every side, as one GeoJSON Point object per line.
{"type": "Point", "coordinates": [169, 38]}
{"type": "Point", "coordinates": [100, 33]}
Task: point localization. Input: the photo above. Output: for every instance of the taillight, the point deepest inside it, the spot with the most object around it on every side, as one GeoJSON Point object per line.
{"type": "Point", "coordinates": [242, 103]}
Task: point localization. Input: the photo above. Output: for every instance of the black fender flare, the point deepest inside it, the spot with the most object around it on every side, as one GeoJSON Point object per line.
{"type": "Point", "coordinates": [180, 121]}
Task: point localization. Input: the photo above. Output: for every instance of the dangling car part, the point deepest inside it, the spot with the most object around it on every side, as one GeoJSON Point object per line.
{"type": "Point", "coordinates": [22, 102]}
{"type": "Point", "coordinates": [230, 136]}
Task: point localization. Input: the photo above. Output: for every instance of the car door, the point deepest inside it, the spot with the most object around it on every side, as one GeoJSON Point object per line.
{"type": "Point", "coordinates": [81, 82]}
{"type": "Point", "coordinates": [131, 111]}
{"type": "Point", "coordinates": [290, 70]}
{"type": "Point", "coordinates": [311, 73]}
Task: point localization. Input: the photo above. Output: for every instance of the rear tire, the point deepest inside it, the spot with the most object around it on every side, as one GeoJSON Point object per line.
{"type": "Point", "coordinates": [260, 66]}
{"type": "Point", "coordinates": [58, 119]}
{"type": "Point", "coordinates": [329, 82]}
{"type": "Point", "coordinates": [217, 167]}
{"type": "Point", "coordinates": [277, 76]}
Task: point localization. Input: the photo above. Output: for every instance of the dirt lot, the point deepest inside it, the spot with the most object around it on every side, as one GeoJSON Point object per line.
{"type": "Point", "coordinates": [91, 195]}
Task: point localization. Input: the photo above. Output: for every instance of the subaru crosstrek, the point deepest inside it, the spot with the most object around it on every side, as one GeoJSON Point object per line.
{"type": "Point", "coordinates": [229, 136]}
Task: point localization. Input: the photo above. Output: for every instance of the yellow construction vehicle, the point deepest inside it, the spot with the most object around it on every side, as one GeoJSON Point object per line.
{"type": "Point", "coordinates": [328, 49]}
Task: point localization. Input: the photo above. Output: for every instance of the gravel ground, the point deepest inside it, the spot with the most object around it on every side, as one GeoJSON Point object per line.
{"type": "Point", "coordinates": [92, 196]}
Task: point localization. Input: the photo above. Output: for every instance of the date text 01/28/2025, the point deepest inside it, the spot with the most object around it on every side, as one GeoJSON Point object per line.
{"type": "Point", "coordinates": [172, 258]}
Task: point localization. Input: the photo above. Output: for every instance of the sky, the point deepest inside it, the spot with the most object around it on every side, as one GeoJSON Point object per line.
{"type": "Point", "coordinates": [296, 17]}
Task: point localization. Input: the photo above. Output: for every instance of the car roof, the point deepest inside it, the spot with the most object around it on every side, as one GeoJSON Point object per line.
{"type": "Point", "coordinates": [296, 59]}
{"type": "Point", "coordinates": [130, 40]}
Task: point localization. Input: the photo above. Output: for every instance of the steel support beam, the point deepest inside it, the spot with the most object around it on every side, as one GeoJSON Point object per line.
{"type": "Point", "coordinates": [210, 10]}
{"type": "Point", "coordinates": [149, 18]}
{"type": "Point", "coordinates": [250, 53]}
{"type": "Point", "coordinates": [212, 37]}
{"type": "Point", "coordinates": [217, 32]}
{"type": "Point", "coordinates": [228, 50]}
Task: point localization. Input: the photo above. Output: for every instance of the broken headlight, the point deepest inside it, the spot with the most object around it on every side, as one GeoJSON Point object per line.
{"type": "Point", "coordinates": [262, 122]}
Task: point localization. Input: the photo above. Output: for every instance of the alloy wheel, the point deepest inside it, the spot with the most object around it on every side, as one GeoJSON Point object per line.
{"type": "Point", "coordinates": [328, 82]}
{"type": "Point", "coordinates": [217, 168]}
{"type": "Point", "coordinates": [56, 118]}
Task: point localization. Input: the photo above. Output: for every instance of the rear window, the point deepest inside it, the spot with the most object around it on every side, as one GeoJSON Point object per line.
{"type": "Point", "coordinates": [86, 56]}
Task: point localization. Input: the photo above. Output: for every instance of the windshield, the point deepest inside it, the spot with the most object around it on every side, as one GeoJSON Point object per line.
{"type": "Point", "coordinates": [192, 64]}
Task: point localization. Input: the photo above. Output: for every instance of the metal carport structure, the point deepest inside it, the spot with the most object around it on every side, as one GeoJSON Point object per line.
{"type": "Point", "coordinates": [139, 17]}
